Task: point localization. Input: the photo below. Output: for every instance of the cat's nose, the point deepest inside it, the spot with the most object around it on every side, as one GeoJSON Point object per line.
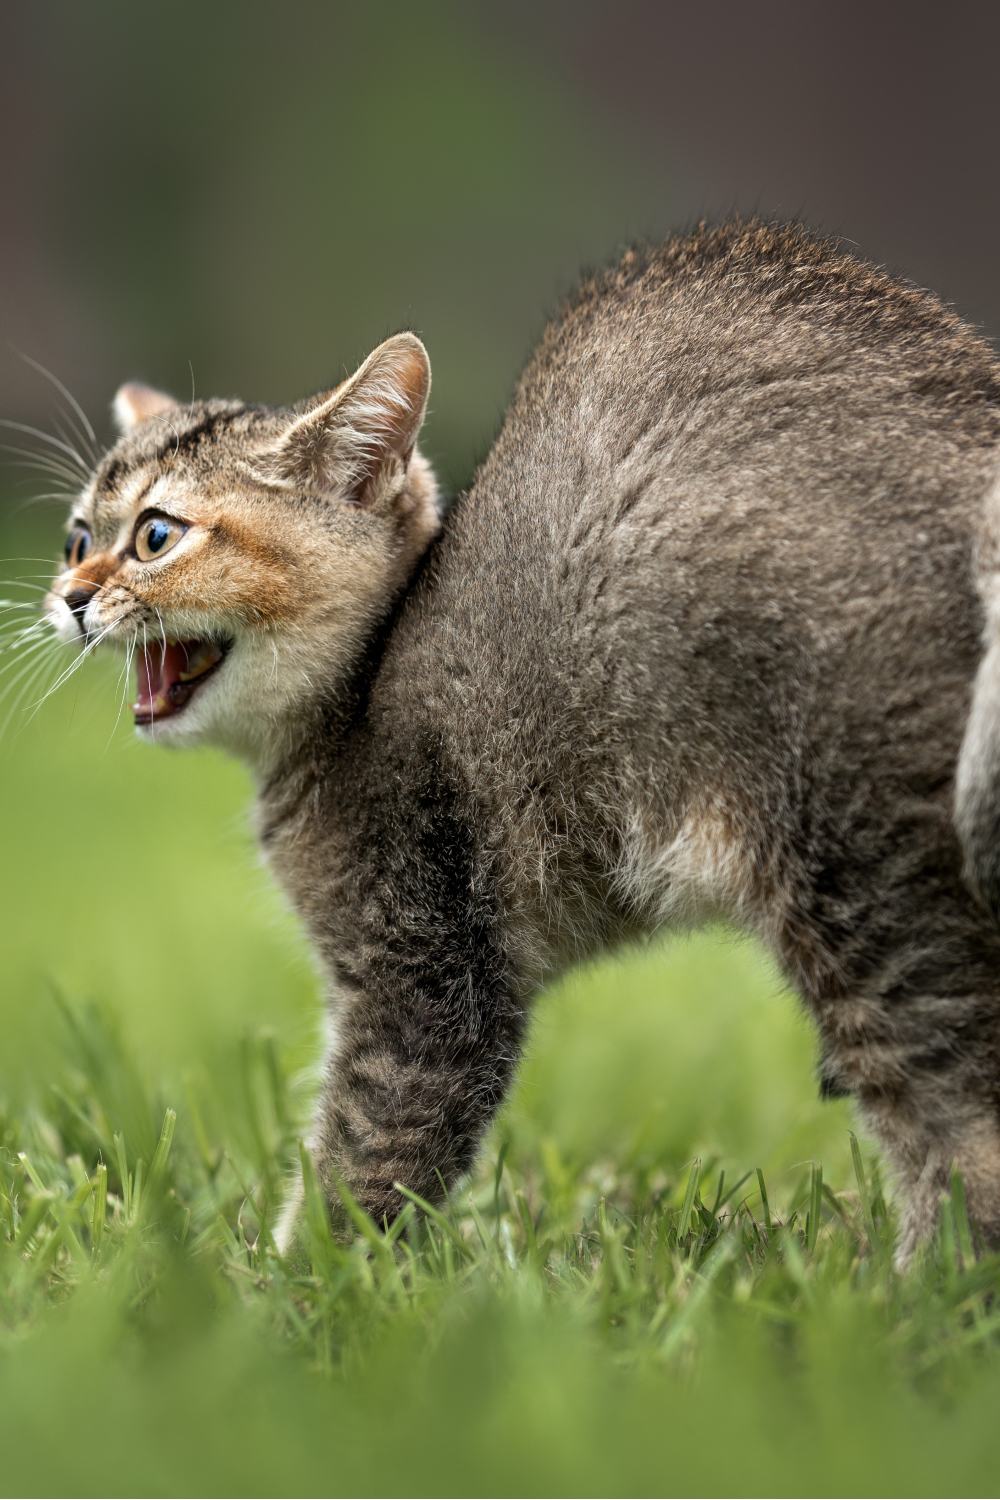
{"type": "Point", "coordinates": [77, 600]}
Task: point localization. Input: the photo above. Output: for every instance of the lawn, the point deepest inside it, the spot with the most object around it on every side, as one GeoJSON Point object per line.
{"type": "Point", "coordinates": [670, 1274]}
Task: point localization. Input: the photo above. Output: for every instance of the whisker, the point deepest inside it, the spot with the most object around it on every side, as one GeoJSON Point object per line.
{"type": "Point", "coordinates": [126, 673]}
{"type": "Point", "coordinates": [42, 498]}
{"type": "Point", "coordinates": [146, 668]}
{"type": "Point", "coordinates": [28, 635]}
{"type": "Point", "coordinates": [38, 674]}
{"type": "Point", "coordinates": [30, 673]}
{"type": "Point", "coordinates": [47, 466]}
{"type": "Point", "coordinates": [28, 677]}
{"type": "Point", "coordinates": [63, 497]}
{"type": "Point", "coordinates": [67, 437]}
{"type": "Point", "coordinates": [64, 391]}
{"type": "Point", "coordinates": [46, 463]}
{"type": "Point", "coordinates": [20, 627]}
{"type": "Point", "coordinates": [30, 606]}
{"type": "Point", "coordinates": [72, 493]}
{"type": "Point", "coordinates": [145, 661]}
{"type": "Point", "coordinates": [15, 626]}
{"type": "Point", "coordinates": [14, 644]}
{"type": "Point", "coordinates": [29, 649]}
{"type": "Point", "coordinates": [63, 677]}
{"type": "Point", "coordinates": [25, 583]}
{"type": "Point", "coordinates": [88, 650]}
{"type": "Point", "coordinates": [58, 443]}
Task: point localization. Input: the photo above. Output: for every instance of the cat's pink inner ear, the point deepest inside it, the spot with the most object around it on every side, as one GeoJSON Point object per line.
{"type": "Point", "coordinates": [135, 403]}
{"type": "Point", "coordinates": [391, 392]}
{"type": "Point", "coordinates": [342, 442]}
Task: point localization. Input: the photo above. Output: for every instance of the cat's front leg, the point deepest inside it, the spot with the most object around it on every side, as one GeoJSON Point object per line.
{"type": "Point", "coordinates": [413, 1080]}
{"type": "Point", "coordinates": [427, 1019]}
{"type": "Point", "coordinates": [409, 906]}
{"type": "Point", "coordinates": [402, 1106]}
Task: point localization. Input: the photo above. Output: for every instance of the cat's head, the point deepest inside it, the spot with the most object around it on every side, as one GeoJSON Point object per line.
{"type": "Point", "coordinates": [243, 555]}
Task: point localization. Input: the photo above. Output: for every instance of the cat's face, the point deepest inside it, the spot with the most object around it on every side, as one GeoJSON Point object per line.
{"type": "Point", "coordinates": [241, 556]}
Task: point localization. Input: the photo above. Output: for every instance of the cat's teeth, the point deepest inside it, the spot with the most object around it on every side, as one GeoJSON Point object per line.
{"type": "Point", "coordinates": [167, 675]}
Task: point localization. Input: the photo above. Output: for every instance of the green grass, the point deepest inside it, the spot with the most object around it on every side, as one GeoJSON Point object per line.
{"type": "Point", "coordinates": [611, 1307]}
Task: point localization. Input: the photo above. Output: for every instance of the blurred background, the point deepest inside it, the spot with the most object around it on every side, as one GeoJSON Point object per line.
{"type": "Point", "coordinates": [245, 199]}
{"type": "Point", "coordinates": [260, 193]}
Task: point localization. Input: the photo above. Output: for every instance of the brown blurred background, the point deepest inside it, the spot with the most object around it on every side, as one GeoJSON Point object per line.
{"type": "Point", "coordinates": [258, 192]}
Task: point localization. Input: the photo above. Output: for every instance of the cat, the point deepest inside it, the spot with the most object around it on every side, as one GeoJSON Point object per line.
{"type": "Point", "coordinates": [699, 642]}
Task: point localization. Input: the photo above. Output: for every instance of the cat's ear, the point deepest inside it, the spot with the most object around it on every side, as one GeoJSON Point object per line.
{"type": "Point", "coordinates": [355, 441]}
{"type": "Point", "coordinates": [135, 403]}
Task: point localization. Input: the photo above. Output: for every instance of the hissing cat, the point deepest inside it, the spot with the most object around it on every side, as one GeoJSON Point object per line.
{"type": "Point", "coordinates": [700, 641]}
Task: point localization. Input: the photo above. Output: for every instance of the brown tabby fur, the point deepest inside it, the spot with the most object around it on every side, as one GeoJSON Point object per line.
{"type": "Point", "coordinates": [700, 641]}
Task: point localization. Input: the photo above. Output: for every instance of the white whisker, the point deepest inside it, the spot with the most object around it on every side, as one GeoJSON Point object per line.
{"type": "Point", "coordinates": [29, 652]}
{"type": "Point", "coordinates": [145, 661]}
{"type": "Point", "coordinates": [63, 497]}
{"type": "Point", "coordinates": [89, 648]}
{"type": "Point", "coordinates": [19, 640]}
{"type": "Point", "coordinates": [31, 671]}
{"type": "Point", "coordinates": [46, 463]}
{"type": "Point", "coordinates": [125, 675]}
{"type": "Point", "coordinates": [46, 437]}
{"type": "Point", "coordinates": [87, 430]}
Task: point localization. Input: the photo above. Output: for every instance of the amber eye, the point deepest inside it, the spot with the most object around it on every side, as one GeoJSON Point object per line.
{"type": "Point", "coordinates": [77, 546]}
{"type": "Point", "coordinates": [156, 535]}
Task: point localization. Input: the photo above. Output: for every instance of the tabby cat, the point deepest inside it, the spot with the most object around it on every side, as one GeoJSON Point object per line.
{"type": "Point", "coordinates": [699, 642]}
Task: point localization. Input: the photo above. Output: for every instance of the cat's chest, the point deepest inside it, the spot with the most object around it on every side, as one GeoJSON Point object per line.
{"type": "Point", "coordinates": [306, 853]}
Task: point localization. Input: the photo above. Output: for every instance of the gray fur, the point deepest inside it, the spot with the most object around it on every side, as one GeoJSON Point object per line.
{"type": "Point", "coordinates": [700, 641]}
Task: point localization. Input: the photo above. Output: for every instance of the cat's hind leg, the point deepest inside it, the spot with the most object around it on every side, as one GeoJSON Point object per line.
{"type": "Point", "coordinates": [929, 1135]}
{"type": "Point", "coordinates": [922, 1062]}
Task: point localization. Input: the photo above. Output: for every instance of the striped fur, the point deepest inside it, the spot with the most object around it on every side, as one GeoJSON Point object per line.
{"type": "Point", "coordinates": [699, 641]}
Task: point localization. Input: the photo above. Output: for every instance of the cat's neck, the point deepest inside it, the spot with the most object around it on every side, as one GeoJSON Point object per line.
{"type": "Point", "coordinates": [302, 748]}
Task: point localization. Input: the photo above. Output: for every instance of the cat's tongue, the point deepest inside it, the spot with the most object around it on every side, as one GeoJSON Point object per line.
{"type": "Point", "coordinates": [167, 675]}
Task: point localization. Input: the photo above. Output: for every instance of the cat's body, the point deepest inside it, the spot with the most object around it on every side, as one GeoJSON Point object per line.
{"type": "Point", "coordinates": [700, 641]}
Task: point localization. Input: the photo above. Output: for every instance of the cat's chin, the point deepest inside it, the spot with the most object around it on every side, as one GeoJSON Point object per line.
{"type": "Point", "coordinates": [191, 725]}
{"type": "Point", "coordinates": [214, 713]}
{"type": "Point", "coordinates": [240, 694]}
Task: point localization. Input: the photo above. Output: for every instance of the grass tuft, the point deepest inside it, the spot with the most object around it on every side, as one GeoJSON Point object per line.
{"type": "Point", "coordinates": [557, 1326]}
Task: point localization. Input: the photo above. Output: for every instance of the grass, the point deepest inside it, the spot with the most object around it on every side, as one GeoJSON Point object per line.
{"type": "Point", "coordinates": [671, 1273]}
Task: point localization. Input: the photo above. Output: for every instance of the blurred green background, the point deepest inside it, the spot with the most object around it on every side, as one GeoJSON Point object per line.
{"type": "Point", "coordinates": [244, 199]}
{"type": "Point", "coordinates": [248, 200]}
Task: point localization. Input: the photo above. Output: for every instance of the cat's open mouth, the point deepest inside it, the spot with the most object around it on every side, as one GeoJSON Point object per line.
{"type": "Point", "coordinates": [169, 673]}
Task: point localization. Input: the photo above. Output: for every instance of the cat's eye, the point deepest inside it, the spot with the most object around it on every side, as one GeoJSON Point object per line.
{"type": "Point", "coordinates": [77, 546]}
{"type": "Point", "coordinates": [156, 535]}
